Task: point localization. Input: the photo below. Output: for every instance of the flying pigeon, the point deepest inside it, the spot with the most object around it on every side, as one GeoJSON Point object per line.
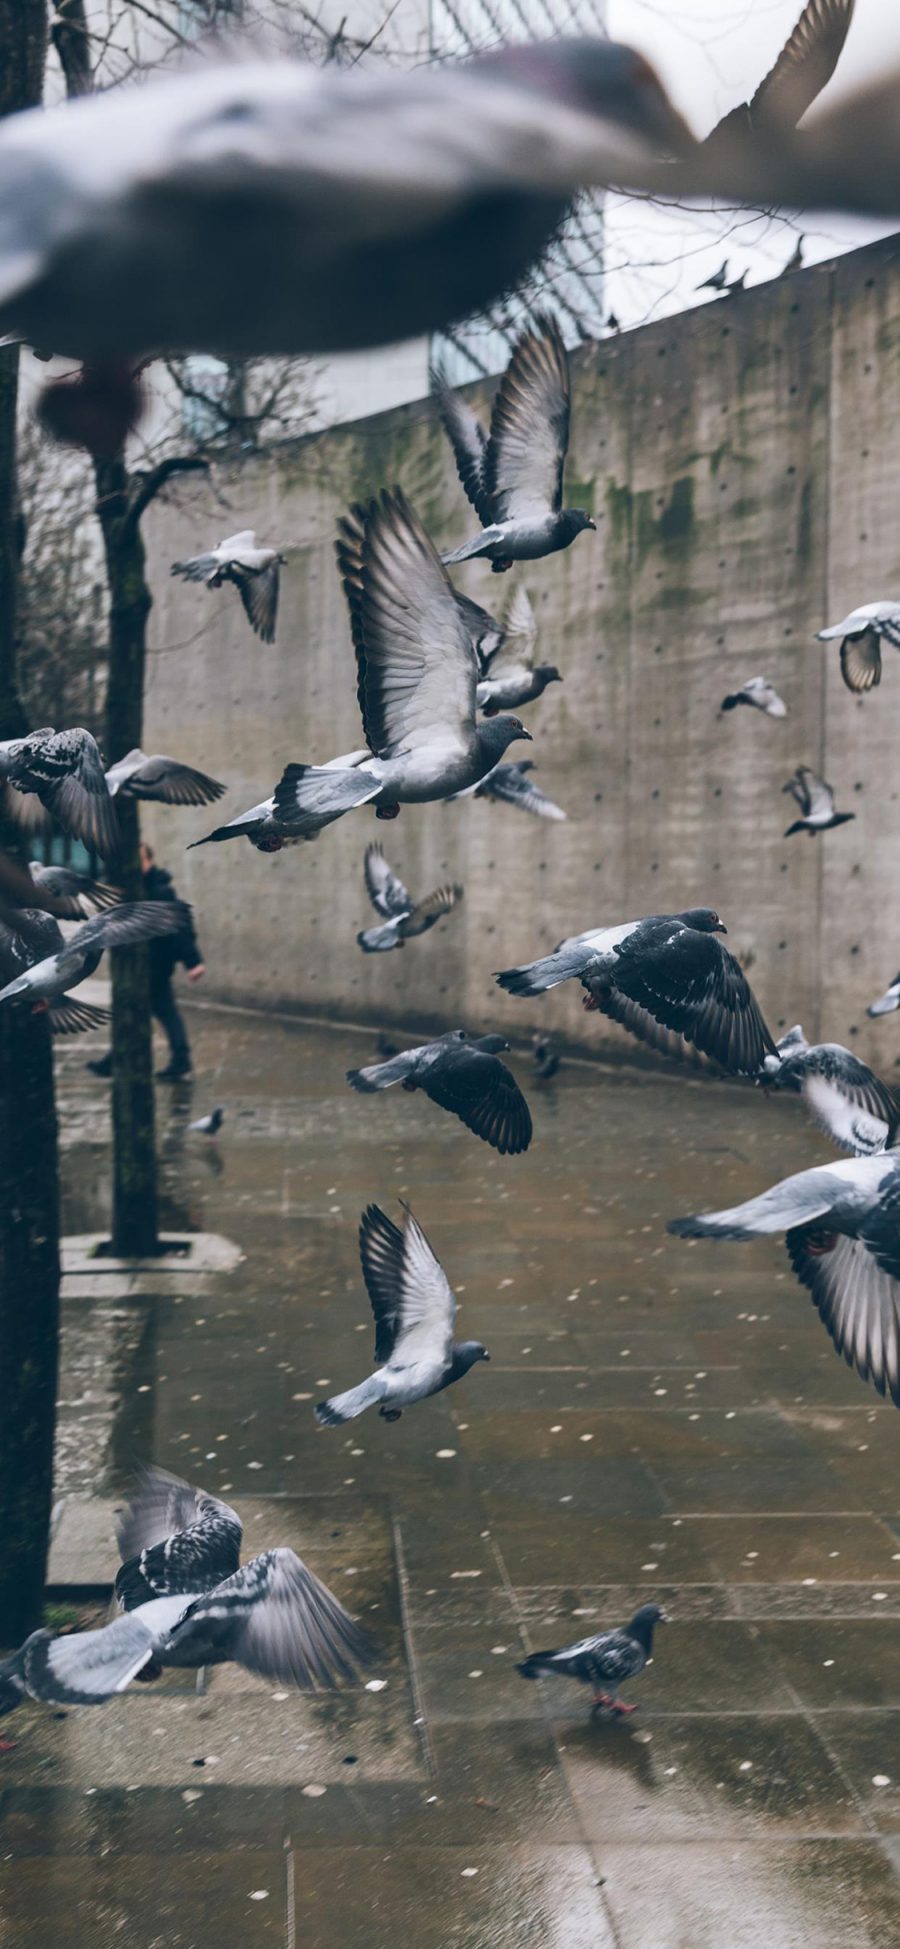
{"type": "Point", "coordinates": [254, 571]}
{"type": "Point", "coordinates": [27, 936]}
{"type": "Point", "coordinates": [758, 692]}
{"type": "Point", "coordinates": [736, 284]}
{"type": "Point", "coordinates": [464, 1075]}
{"type": "Point", "coordinates": [862, 634]}
{"type": "Point", "coordinates": [513, 475]}
{"type": "Point", "coordinates": [666, 971]}
{"type": "Point", "coordinates": [604, 1661]}
{"type": "Point", "coordinates": [186, 1602]}
{"type": "Point", "coordinates": [887, 1002]}
{"type": "Point", "coordinates": [65, 771]}
{"type": "Point", "coordinates": [842, 1226]}
{"type": "Point", "coordinates": [279, 821]}
{"type": "Point", "coordinates": [512, 786]}
{"type": "Point", "coordinates": [414, 1310]}
{"type": "Point", "coordinates": [63, 966]}
{"type": "Point", "coordinates": [816, 801]}
{"type": "Point", "coordinates": [795, 261]}
{"type": "Point", "coordinates": [209, 1126]}
{"type": "Point", "coordinates": [842, 1095]}
{"type": "Point", "coordinates": [718, 281]}
{"type": "Point", "coordinates": [612, 323]}
{"type": "Point", "coordinates": [806, 62]}
{"type": "Point", "coordinates": [509, 678]}
{"type": "Point", "coordinates": [403, 917]}
{"type": "Point", "coordinates": [161, 779]}
{"type": "Point", "coordinates": [75, 895]}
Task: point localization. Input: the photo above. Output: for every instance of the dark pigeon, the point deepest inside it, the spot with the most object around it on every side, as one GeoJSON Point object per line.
{"type": "Point", "coordinates": [64, 770]}
{"type": "Point", "coordinates": [605, 1661]}
{"type": "Point", "coordinates": [464, 1075]}
{"type": "Point", "coordinates": [63, 964]}
{"type": "Point", "coordinates": [403, 918]}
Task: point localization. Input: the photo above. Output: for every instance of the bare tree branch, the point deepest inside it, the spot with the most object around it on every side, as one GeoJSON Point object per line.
{"type": "Point", "coordinates": [152, 484]}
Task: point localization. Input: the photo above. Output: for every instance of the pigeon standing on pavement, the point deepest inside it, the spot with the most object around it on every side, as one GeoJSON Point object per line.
{"type": "Point", "coordinates": [251, 566]}
{"type": "Point", "coordinates": [513, 475]}
{"type": "Point", "coordinates": [841, 1093]}
{"type": "Point", "coordinates": [842, 1226]}
{"type": "Point", "coordinates": [64, 770]}
{"type": "Point", "coordinates": [887, 1002]}
{"type": "Point", "coordinates": [605, 1661]}
{"type": "Point", "coordinates": [511, 785]}
{"type": "Point", "coordinates": [861, 635]}
{"type": "Point", "coordinates": [209, 1126]}
{"type": "Point", "coordinates": [64, 965]}
{"type": "Point", "coordinates": [75, 895]}
{"type": "Point", "coordinates": [415, 1311]}
{"type": "Point", "coordinates": [509, 676]}
{"type": "Point", "coordinates": [402, 916]}
{"type": "Point", "coordinates": [465, 1076]}
{"type": "Point", "coordinates": [163, 780]}
{"type": "Point", "coordinates": [186, 1602]}
{"type": "Point", "coordinates": [816, 801]}
{"type": "Point", "coordinates": [760, 694]}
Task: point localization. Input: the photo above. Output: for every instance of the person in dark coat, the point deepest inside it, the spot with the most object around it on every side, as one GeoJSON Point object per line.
{"type": "Point", "coordinates": [165, 953]}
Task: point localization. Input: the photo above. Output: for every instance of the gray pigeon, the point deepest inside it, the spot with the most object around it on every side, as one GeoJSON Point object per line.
{"type": "Point", "coordinates": [251, 567]}
{"type": "Point", "coordinates": [861, 635]}
{"type": "Point", "coordinates": [603, 1661]}
{"type": "Point", "coordinates": [403, 917]}
{"type": "Point", "coordinates": [63, 966]}
{"type": "Point", "coordinates": [717, 282]}
{"type": "Point", "coordinates": [509, 676]}
{"type": "Point", "coordinates": [815, 799]}
{"type": "Point", "coordinates": [806, 63]}
{"type": "Point", "coordinates": [842, 1226]}
{"type": "Point", "coordinates": [841, 1094]}
{"type": "Point", "coordinates": [414, 1310]}
{"type": "Point", "coordinates": [187, 1603]}
{"type": "Point", "coordinates": [28, 935]}
{"type": "Point", "coordinates": [164, 780]}
{"type": "Point", "coordinates": [513, 476]}
{"type": "Point", "coordinates": [887, 1002]}
{"type": "Point", "coordinates": [210, 1125]}
{"type": "Point", "coordinates": [760, 694]}
{"type": "Point", "coordinates": [64, 770]}
{"type": "Point", "coordinates": [280, 821]}
{"type": "Point", "coordinates": [663, 972]}
{"type": "Point", "coordinates": [75, 895]}
{"type": "Point", "coordinates": [462, 1074]}
{"type": "Point", "coordinates": [512, 786]}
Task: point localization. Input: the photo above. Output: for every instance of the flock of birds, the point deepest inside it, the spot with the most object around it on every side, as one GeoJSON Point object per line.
{"type": "Point", "coordinates": [439, 682]}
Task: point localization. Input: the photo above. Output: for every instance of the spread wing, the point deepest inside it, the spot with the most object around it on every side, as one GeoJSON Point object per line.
{"type": "Point", "coordinates": [173, 1538]}
{"type": "Point", "coordinates": [417, 668]}
{"type": "Point", "coordinates": [806, 63]}
{"type": "Point", "coordinates": [412, 1303]}
{"type": "Point", "coordinates": [469, 441]}
{"type": "Point", "coordinates": [855, 1292]}
{"type": "Point", "coordinates": [429, 911]}
{"type": "Point", "coordinates": [75, 895]}
{"type": "Point", "coordinates": [639, 1022]}
{"type": "Point", "coordinates": [511, 784]}
{"type": "Point", "coordinates": [163, 779]}
{"type": "Point", "coordinates": [259, 594]}
{"type": "Point", "coordinates": [485, 631]}
{"type": "Point", "coordinates": [66, 772]}
{"type": "Point", "coordinates": [530, 428]}
{"type": "Point", "coordinates": [123, 926]}
{"type": "Point", "coordinates": [277, 1619]}
{"type": "Point", "coordinates": [861, 661]}
{"type": "Point", "coordinates": [381, 1251]}
{"type": "Point", "coordinates": [387, 893]}
{"type": "Point", "coordinates": [852, 1105]}
{"type": "Point", "coordinates": [480, 1090]}
{"type": "Point", "coordinates": [687, 981]}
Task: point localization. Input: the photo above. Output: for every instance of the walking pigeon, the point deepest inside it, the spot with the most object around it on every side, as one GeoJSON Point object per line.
{"type": "Point", "coordinates": [666, 971]}
{"type": "Point", "coordinates": [509, 678]}
{"type": "Point", "coordinates": [187, 1603]}
{"type": "Point", "coordinates": [816, 801]}
{"type": "Point", "coordinates": [71, 961]}
{"type": "Point", "coordinates": [252, 567]}
{"type": "Point", "coordinates": [65, 771]}
{"type": "Point", "coordinates": [414, 1310]}
{"type": "Point", "coordinates": [512, 786]}
{"type": "Point", "coordinates": [164, 780]}
{"type": "Point", "coordinates": [887, 1002]}
{"type": "Point", "coordinates": [465, 1076]}
{"type": "Point", "coordinates": [513, 476]}
{"type": "Point", "coordinates": [403, 917]}
{"type": "Point", "coordinates": [75, 895]}
{"type": "Point", "coordinates": [604, 1661]}
{"type": "Point", "coordinates": [27, 936]}
{"type": "Point", "coordinates": [717, 282]}
{"type": "Point", "coordinates": [209, 1126]}
{"type": "Point", "coordinates": [758, 692]}
{"type": "Point", "coordinates": [862, 634]}
{"type": "Point", "coordinates": [842, 1226]}
{"type": "Point", "coordinates": [806, 63]}
{"type": "Point", "coordinates": [842, 1095]}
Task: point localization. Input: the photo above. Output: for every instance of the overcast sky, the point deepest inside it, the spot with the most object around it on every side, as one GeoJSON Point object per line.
{"type": "Point", "coordinates": [712, 54]}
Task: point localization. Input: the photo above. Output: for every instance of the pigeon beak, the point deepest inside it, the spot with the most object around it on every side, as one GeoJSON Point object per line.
{"type": "Point", "coordinates": [720, 928]}
{"type": "Point", "coordinates": [526, 734]}
{"type": "Point", "coordinates": [664, 1617]}
{"type": "Point", "coordinates": [485, 1355]}
{"type": "Point", "coordinates": [593, 527]}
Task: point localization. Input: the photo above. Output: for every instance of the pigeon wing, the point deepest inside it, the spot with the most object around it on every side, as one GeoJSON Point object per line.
{"type": "Point", "coordinates": [387, 893]}
{"type": "Point", "coordinates": [429, 911]}
{"type": "Point", "coordinates": [417, 668]}
{"type": "Point", "coordinates": [639, 1022]}
{"type": "Point", "coordinates": [87, 1667]}
{"type": "Point", "coordinates": [480, 1090]}
{"type": "Point", "coordinates": [804, 67]}
{"type": "Point", "coordinates": [469, 441]}
{"type": "Point", "coordinates": [617, 1656]}
{"type": "Point", "coordinates": [169, 782]}
{"type": "Point", "coordinates": [128, 923]}
{"type": "Point", "coordinates": [427, 1303]}
{"type": "Point", "coordinates": [381, 1251]}
{"type": "Point", "coordinates": [277, 1619]}
{"type": "Point", "coordinates": [486, 632]}
{"type": "Point", "coordinates": [511, 784]}
{"type": "Point", "coordinates": [530, 428]}
{"type": "Point", "coordinates": [857, 1300]}
{"type": "Point", "coordinates": [687, 981]}
{"type": "Point", "coordinates": [861, 661]}
{"type": "Point", "coordinates": [67, 1017]}
{"type": "Point", "coordinates": [173, 1538]}
{"type": "Point", "coordinates": [74, 894]}
{"type": "Point", "coordinates": [259, 595]}
{"type": "Point", "coordinates": [851, 1104]}
{"type": "Point", "coordinates": [67, 773]}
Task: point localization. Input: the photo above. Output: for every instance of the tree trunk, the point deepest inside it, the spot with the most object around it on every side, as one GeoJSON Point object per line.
{"type": "Point", "coordinates": [29, 1195]}
{"type": "Point", "coordinates": [134, 1226]}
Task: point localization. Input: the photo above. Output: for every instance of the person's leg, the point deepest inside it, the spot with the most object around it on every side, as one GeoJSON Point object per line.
{"type": "Point", "coordinates": [168, 1014]}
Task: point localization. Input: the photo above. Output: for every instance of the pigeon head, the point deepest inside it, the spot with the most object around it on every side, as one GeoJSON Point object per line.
{"type": "Point", "coordinates": [466, 1353]}
{"type": "Point", "coordinates": [644, 1621]}
{"type": "Point", "coordinates": [548, 673]}
{"type": "Point", "coordinates": [492, 1045]}
{"type": "Point", "coordinates": [704, 919]}
{"type": "Point", "coordinates": [572, 521]}
{"type": "Point", "coordinates": [498, 732]}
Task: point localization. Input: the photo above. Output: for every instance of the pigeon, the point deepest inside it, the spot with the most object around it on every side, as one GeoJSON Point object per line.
{"type": "Point", "coordinates": [842, 1226]}
{"type": "Point", "coordinates": [842, 1095]}
{"type": "Point", "coordinates": [163, 780]}
{"type": "Point", "coordinates": [718, 281]}
{"type": "Point", "coordinates": [604, 1661]}
{"type": "Point", "coordinates": [75, 895]}
{"type": "Point", "coordinates": [758, 692]}
{"type": "Point", "coordinates": [508, 678]}
{"type": "Point", "coordinates": [816, 801]}
{"type": "Point", "coordinates": [736, 284]}
{"type": "Point", "coordinates": [403, 917]}
{"type": "Point", "coordinates": [512, 786]}
{"type": "Point", "coordinates": [795, 261]}
{"type": "Point", "coordinates": [254, 571]}
{"type": "Point", "coordinates": [73, 960]}
{"type": "Point", "coordinates": [28, 936]}
{"type": "Point", "coordinates": [65, 771]}
{"type": "Point", "coordinates": [279, 821]}
{"type": "Point", "coordinates": [186, 1602]}
{"type": "Point", "coordinates": [862, 634]}
{"type": "Point", "coordinates": [665, 971]}
{"type": "Point", "coordinates": [414, 1310]}
{"type": "Point", "coordinates": [464, 1075]}
{"type": "Point", "coordinates": [513, 476]}
{"type": "Point", "coordinates": [612, 323]}
{"type": "Point", "coordinates": [209, 1126]}
{"type": "Point", "coordinates": [546, 1058]}
{"type": "Point", "coordinates": [887, 1002]}
{"type": "Point", "coordinates": [806, 63]}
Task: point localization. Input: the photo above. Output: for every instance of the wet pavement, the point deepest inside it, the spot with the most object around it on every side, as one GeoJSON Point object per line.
{"type": "Point", "coordinates": [659, 1421]}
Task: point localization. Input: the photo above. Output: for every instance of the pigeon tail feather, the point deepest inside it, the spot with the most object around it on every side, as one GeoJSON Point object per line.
{"type": "Point", "coordinates": [346, 1407]}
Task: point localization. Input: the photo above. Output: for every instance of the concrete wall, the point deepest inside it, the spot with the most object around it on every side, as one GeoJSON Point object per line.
{"type": "Point", "coordinates": [743, 465]}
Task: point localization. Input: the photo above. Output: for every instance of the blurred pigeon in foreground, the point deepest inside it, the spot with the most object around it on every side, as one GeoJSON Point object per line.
{"type": "Point", "coordinates": [464, 1075]}
{"type": "Point", "coordinates": [806, 63]}
{"type": "Point", "coordinates": [887, 1002]}
{"type": "Point", "coordinates": [65, 771]}
{"type": "Point", "coordinates": [758, 692]}
{"type": "Point", "coordinates": [415, 1311]}
{"type": "Point", "coordinates": [512, 786]}
{"type": "Point", "coordinates": [253, 568]}
{"type": "Point", "coordinates": [210, 1125]}
{"type": "Point", "coordinates": [513, 476]}
{"type": "Point", "coordinates": [509, 677]}
{"type": "Point", "coordinates": [187, 1603]}
{"type": "Point", "coordinates": [73, 960]}
{"type": "Point", "coordinates": [842, 1225]}
{"type": "Point", "coordinates": [403, 917]}
{"type": "Point", "coordinates": [816, 801]}
{"type": "Point", "coordinates": [27, 936]}
{"type": "Point", "coordinates": [842, 1095]}
{"type": "Point", "coordinates": [604, 1661]}
{"type": "Point", "coordinates": [163, 780]}
{"type": "Point", "coordinates": [75, 895]}
{"type": "Point", "coordinates": [862, 634]}
{"type": "Point", "coordinates": [666, 970]}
